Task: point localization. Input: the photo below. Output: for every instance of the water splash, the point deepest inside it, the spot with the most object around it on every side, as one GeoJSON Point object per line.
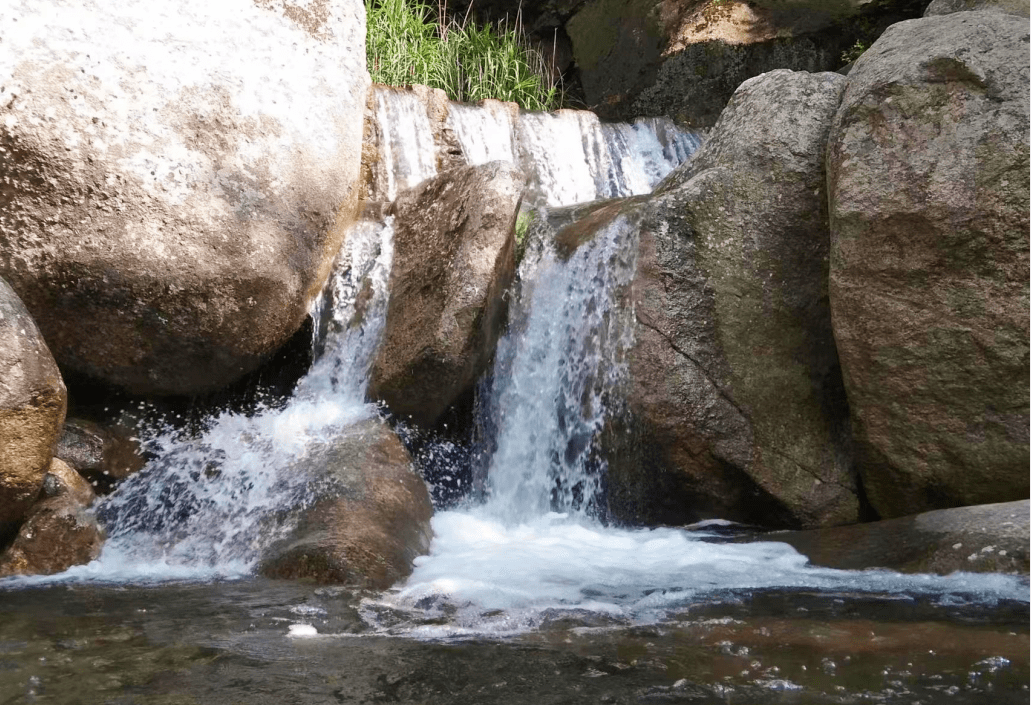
{"type": "Point", "coordinates": [212, 502]}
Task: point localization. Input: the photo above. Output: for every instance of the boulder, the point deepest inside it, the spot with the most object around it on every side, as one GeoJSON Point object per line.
{"type": "Point", "coordinates": [103, 455]}
{"type": "Point", "coordinates": [59, 533]}
{"type": "Point", "coordinates": [928, 185]}
{"type": "Point", "coordinates": [735, 397]}
{"type": "Point", "coordinates": [454, 258]}
{"type": "Point", "coordinates": [988, 538]}
{"type": "Point", "coordinates": [369, 519]}
{"type": "Point", "coordinates": [33, 401]}
{"type": "Point", "coordinates": [947, 7]}
{"type": "Point", "coordinates": [178, 178]}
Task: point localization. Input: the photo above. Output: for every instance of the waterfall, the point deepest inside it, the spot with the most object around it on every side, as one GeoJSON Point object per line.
{"type": "Point", "coordinates": [569, 156]}
{"type": "Point", "coordinates": [556, 375]}
{"type": "Point", "coordinates": [211, 502]}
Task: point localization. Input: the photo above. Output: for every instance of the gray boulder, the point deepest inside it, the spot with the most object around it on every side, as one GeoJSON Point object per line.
{"type": "Point", "coordinates": [177, 178]}
{"type": "Point", "coordinates": [735, 393]}
{"type": "Point", "coordinates": [987, 538]}
{"type": "Point", "coordinates": [33, 401]}
{"type": "Point", "coordinates": [947, 7]}
{"type": "Point", "coordinates": [928, 185]}
{"type": "Point", "coordinates": [454, 258]}
{"type": "Point", "coordinates": [369, 518]}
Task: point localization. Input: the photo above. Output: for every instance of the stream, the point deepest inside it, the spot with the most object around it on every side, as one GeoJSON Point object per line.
{"type": "Point", "coordinates": [527, 595]}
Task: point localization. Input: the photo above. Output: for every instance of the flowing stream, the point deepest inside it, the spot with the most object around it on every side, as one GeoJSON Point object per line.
{"type": "Point", "coordinates": [530, 560]}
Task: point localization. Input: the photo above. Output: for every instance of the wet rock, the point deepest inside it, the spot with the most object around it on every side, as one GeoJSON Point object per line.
{"type": "Point", "coordinates": [166, 227]}
{"type": "Point", "coordinates": [33, 401]}
{"type": "Point", "coordinates": [104, 455]}
{"type": "Point", "coordinates": [735, 397]}
{"type": "Point", "coordinates": [454, 257]}
{"type": "Point", "coordinates": [368, 519]}
{"type": "Point", "coordinates": [988, 538]}
{"type": "Point", "coordinates": [947, 7]}
{"type": "Point", "coordinates": [928, 186]}
{"type": "Point", "coordinates": [58, 533]}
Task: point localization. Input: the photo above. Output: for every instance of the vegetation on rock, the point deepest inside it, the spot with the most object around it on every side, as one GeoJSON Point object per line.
{"type": "Point", "coordinates": [411, 42]}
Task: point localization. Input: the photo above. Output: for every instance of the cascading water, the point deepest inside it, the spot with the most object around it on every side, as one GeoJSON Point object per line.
{"type": "Point", "coordinates": [209, 504]}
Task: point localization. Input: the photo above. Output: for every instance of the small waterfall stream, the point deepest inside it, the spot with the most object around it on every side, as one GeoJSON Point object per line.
{"type": "Point", "coordinates": [534, 549]}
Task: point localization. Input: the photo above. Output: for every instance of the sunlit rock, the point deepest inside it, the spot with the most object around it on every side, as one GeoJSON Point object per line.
{"type": "Point", "coordinates": [177, 178]}
{"type": "Point", "coordinates": [928, 186]}
{"type": "Point", "coordinates": [454, 258]}
{"type": "Point", "coordinates": [736, 406]}
{"type": "Point", "coordinates": [58, 533]}
{"type": "Point", "coordinates": [987, 538]}
{"type": "Point", "coordinates": [32, 408]}
{"type": "Point", "coordinates": [367, 519]}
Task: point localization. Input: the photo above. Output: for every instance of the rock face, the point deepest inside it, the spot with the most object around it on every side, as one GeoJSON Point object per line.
{"type": "Point", "coordinates": [735, 392]}
{"type": "Point", "coordinates": [58, 532]}
{"type": "Point", "coordinates": [685, 59]}
{"type": "Point", "coordinates": [102, 455]}
{"type": "Point", "coordinates": [928, 185]}
{"type": "Point", "coordinates": [33, 401]}
{"type": "Point", "coordinates": [988, 538]}
{"type": "Point", "coordinates": [371, 520]}
{"type": "Point", "coordinates": [947, 7]}
{"type": "Point", "coordinates": [454, 257]}
{"type": "Point", "coordinates": [177, 178]}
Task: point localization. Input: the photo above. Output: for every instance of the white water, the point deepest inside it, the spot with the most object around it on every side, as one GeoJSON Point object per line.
{"type": "Point", "coordinates": [208, 505]}
{"type": "Point", "coordinates": [203, 509]}
{"type": "Point", "coordinates": [569, 156]}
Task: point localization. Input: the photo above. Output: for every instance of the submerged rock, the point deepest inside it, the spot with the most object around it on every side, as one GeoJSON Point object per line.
{"type": "Point", "coordinates": [987, 538]}
{"type": "Point", "coordinates": [369, 517]}
{"type": "Point", "coordinates": [736, 404]}
{"type": "Point", "coordinates": [58, 533]}
{"type": "Point", "coordinates": [177, 178]}
{"type": "Point", "coordinates": [33, 401]}
{"type": "Point", "coordinates": [929, 197]}
{"type": "Point", "coordinates": [454, 258]}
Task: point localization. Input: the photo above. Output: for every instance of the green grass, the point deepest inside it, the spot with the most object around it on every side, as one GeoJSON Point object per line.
{"type": "Point", "coordinates": [408, 43]}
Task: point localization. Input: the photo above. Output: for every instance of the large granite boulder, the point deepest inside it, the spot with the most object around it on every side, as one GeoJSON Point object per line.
{"type": "Point", "coordinates": [369, 518]}
{"type": "Point", "coordinates": [454, 258]}
{"type": "Point", "coordinates": [735, 393]}
{"type": "Point", "coordinates": [58, 533]}
{"type": "Point", "coordinates": [177, 178]}
{"type": "Point", "coordinates": [33, 401]}
{"type": "Point", "coordinates": [987, 538]}
{"type": "Point", "coordinates": [928, 185]}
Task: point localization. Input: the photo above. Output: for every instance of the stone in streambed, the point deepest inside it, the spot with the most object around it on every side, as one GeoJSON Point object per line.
{"type": "Point", "coordinates": [929, 197]}
{"type": "Point", "coordinates": [987, 538]}
{"type": "Point", "coordinates": [736, 407]}
{"type": "Point", "coordinates": [103, 455]}
{"type": "Point", "coordinates": [177, 178]}
{"type": "Point", "coordinates": [33, 401]}
{"type": "Point", "coordinates": [58, 533]}
{"type": "Point", "coordinates": [947, 7]}
{"type": "Point", "coordinates": [368, 518]}
{"type": "Point", "coordinates": [454, 259]}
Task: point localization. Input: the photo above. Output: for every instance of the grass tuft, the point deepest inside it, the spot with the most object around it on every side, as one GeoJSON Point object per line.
{"type": "Point", "coordinates": [410, 42]}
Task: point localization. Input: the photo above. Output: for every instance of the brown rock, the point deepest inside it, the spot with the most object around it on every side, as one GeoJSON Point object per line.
{"type": "Point", "coordinates": [101, 454]}
{"type": "Point", "coordinates": [58, 532]}
{"type": "Point", "coordinates": [371, 522]}
{"type": "Point", "coordinates": [454, 257]}
{"type": "Point", "coordinates": [168, 232]}
{"type": "Point", "coordinates": [33, 401]}
{"type": "Point", "coordinates": [929, 196]}
{"type": "Point", "coordinates": [987, 538]}
{"type": "Point", "coordinates": [735, 393]}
